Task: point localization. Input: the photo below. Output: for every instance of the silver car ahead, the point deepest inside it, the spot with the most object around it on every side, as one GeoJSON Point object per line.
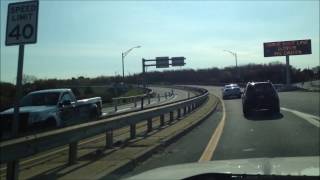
{"type": "Point", "coordinates": [231, 91]}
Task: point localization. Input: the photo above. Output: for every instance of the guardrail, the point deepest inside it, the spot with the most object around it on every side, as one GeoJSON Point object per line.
{"type": "Point", "coordinates": [14, 150]}
{"type": "Point", "coordinates": [139, 99]}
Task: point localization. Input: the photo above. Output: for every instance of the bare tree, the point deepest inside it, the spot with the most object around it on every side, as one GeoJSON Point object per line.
{"type": "Point", "coordinates": [28, 78]}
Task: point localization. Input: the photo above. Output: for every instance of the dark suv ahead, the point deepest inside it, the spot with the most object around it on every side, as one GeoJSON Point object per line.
{"type": "Point", "coordinates": [260, 96]}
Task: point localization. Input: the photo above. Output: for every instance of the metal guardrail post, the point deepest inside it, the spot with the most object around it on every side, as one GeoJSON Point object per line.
{"type": "Point", "coordinates": [158, 97]}
{"type": "Point", "coordinates": [115, 105]}
{"type": "Point", "coordinates": [73, 151]}
{"type": "Point", "coordinates": [109, 138]}
{"type": "Point", "coordinates": [171, 116]}
{"type": "Point", "coordinates": [148, 99]}
{"type": "Point", "coordinates": [161, 119]}
{"type": "Point", "coordinates": [13, 170]}
{"type": "Point", "coordinates": [142, 103]}
{"type": "Point", "coordinates": [135, 101]}
{"type": "Point", "coordinates": [184, 110]}
{"type": "Point", "coordinates": [149, 125]}
{"type": "Point", "coordinates": [179, 113]}
{"type": "Point", "coordinates": [133, 131]}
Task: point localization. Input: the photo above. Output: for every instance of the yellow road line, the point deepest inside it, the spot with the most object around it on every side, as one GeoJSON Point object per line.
{"type": "Point", "coordinates": [213, 142]}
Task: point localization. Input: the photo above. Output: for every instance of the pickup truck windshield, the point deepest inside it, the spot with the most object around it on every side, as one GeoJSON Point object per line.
{"type": "Point", "coordinates": [41, 99]}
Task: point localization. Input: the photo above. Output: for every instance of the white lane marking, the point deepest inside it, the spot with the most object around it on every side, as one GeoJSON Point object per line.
{"type": "Point", "coordinates": [314, 120]}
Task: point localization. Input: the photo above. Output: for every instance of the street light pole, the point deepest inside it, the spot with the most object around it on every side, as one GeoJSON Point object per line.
{"type": "Point", "coordinates": [234, 54]}
{"type": "Point", "coordinates": [123, 55]}
{"type": "Point", "coordinates": [236, 58]}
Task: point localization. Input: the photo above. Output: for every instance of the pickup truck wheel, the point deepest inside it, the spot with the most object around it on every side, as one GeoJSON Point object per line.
{"type": "Point", "coordinates": [94, 114]}
{"type": "Point", "coordinates": [99, 111]}
{"type": "Point", "coordinates": [51, 123]}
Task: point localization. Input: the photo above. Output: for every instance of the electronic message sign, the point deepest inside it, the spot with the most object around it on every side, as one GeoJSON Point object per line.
{"type": "Point", "coordinates": [287, 48]}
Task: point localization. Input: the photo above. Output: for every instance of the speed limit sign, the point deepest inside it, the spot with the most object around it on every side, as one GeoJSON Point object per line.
{"type": "Point", "coordinates": [22, 22]}
{"type": "Point", "coordinates": [22, 26]}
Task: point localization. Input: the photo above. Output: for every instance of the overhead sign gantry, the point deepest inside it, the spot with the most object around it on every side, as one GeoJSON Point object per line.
{"type": "Point", "coordinates": [163, 62]}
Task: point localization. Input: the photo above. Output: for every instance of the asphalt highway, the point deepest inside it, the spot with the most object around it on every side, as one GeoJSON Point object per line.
{"type": "Point", "coordinates": [292, 133]}
{"type": "Point", "coordinates": [307, 102]}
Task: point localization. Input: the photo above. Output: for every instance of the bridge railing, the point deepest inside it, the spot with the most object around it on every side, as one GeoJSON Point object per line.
{"type": "Point", "coordinates": [14, 150]}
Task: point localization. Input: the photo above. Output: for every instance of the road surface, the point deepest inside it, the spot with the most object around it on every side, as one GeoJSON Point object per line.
{"type": "Point", "coordinates": [262, 135]}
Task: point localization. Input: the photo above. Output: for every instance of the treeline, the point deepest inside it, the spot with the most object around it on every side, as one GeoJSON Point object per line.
{"type": "Point", "coordinates": [275, 72]}
{"type": "Point", "coordinates": [111, 86]}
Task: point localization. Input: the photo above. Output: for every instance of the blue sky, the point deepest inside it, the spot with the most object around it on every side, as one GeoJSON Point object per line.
{"type": "Point", "coordinates": [86, 38]}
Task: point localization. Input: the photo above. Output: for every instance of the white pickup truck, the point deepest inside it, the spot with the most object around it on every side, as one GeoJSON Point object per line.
{"type": "Point", "coordinates": [52, 107]}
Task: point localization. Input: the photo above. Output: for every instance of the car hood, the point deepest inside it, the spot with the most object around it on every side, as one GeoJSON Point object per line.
{"type": "Point", "coordinates": [299, 166]}
{"type": "Point", "coordinates": [30, 109]}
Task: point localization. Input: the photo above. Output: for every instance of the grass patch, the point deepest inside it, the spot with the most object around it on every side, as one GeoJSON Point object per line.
{"type": "Point", "coordinates": [133, 92]}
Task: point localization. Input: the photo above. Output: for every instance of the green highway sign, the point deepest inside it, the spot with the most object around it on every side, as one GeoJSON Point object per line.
{"type": "Point", "coordinates": [162, 62]}
{"type": "Point", "coordinates": [177, 61]}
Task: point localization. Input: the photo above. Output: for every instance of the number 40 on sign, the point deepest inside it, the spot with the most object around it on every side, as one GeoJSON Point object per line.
{"type": "Point", "coordinates": [22, 22]}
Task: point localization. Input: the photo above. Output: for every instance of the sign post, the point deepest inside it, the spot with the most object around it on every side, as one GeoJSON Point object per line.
{"type": "Point", "coordinates": [288, 79]}
{"type": "Point", "coordinates": [15, 124]}
{"type": "Point", "coordinates": [22, 25]}
{"type": "Point", "coordinates": [287, 48]}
